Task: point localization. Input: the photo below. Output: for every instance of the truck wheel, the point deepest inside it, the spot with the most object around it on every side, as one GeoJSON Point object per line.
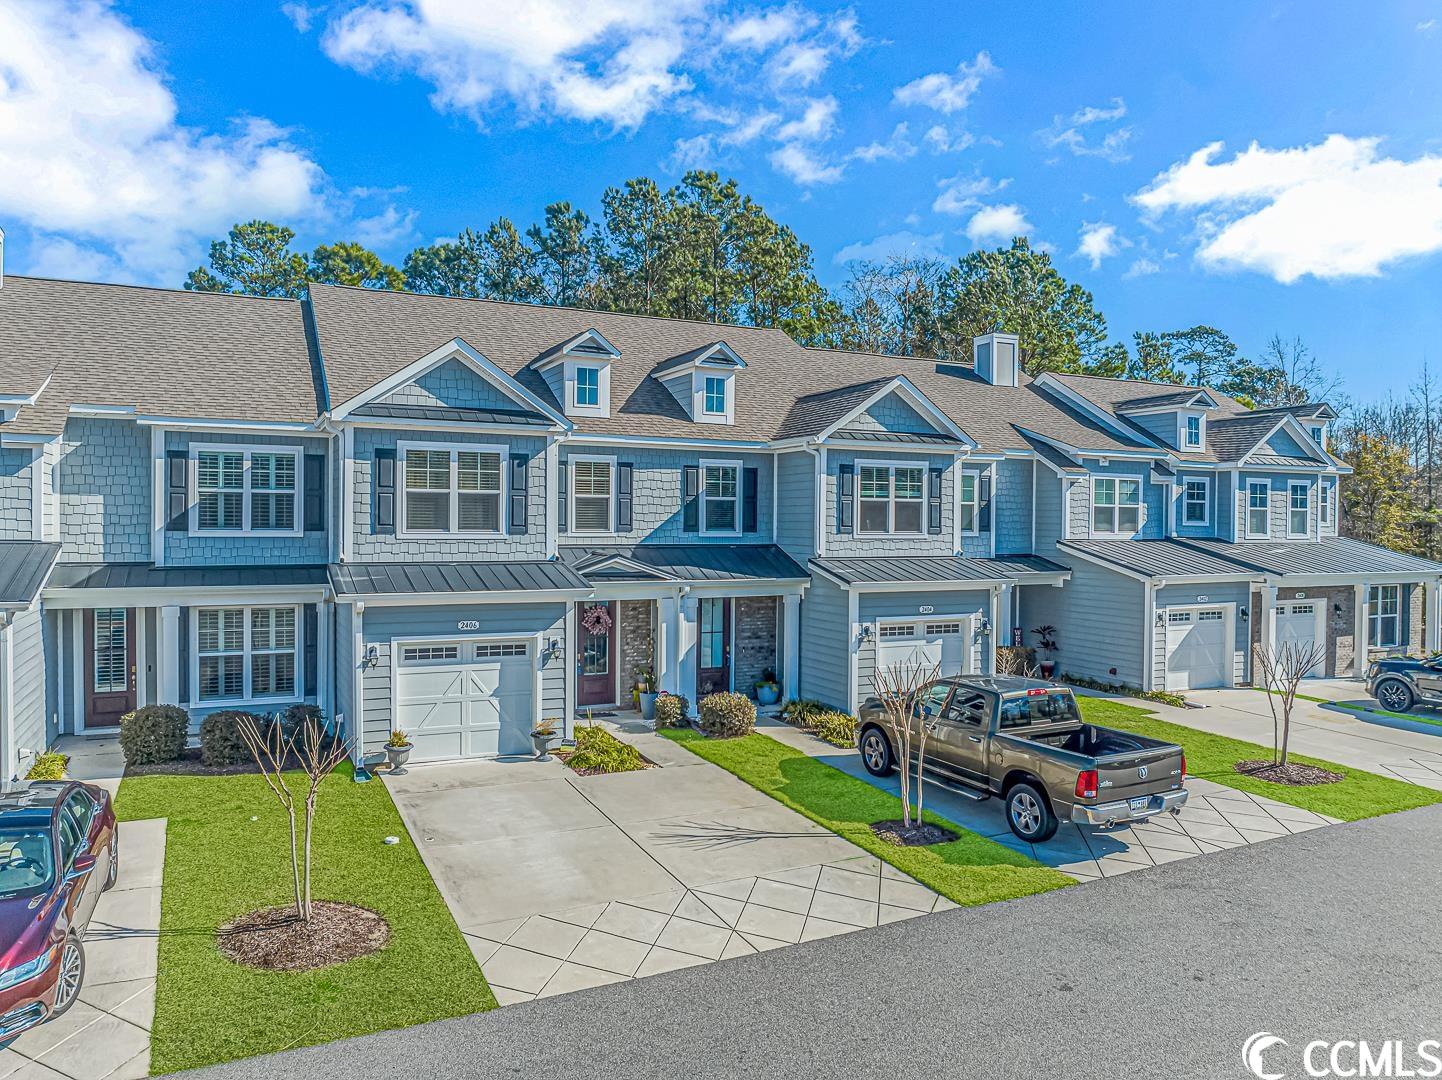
{"type": "Point", "coordinates": [1395, 696]}
{"type": "Point", "coordinates": [876, 753]}
{"type": "Point", "coordinates": [1029, 814]}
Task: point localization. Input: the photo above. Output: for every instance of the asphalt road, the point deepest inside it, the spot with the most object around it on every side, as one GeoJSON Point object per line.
{"type": "Point", "coordinates": [1163, 973]}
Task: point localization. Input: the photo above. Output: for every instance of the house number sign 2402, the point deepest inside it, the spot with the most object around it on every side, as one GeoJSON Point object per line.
{"type": "Point", "coordinates": [468, 624]}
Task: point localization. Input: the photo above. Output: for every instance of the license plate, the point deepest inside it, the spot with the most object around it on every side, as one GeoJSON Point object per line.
{"type": "Point", "coordinates": [1139, 804]}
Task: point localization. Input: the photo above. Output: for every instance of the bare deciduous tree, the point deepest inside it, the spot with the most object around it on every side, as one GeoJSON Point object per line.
{"type": "Point", "coordinates": [901, 689]}
{"type": "Point", "coordinates": [1283, 667]}
{"type": "Point", "coordinates": [318, 758]}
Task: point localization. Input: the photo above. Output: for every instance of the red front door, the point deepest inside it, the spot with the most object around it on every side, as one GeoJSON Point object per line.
{"type": "Point", "coordinates": [713, 667]}
{"type": "Point", "coordinates": [596, 655]}
{"type": "Point", "coordinates": [110, 663]}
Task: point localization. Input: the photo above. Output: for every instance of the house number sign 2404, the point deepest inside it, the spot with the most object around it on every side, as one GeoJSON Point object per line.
{"type": "Point", "coordinates": [925, 609]}
{"type": "Point", "coordinates": [468, 624]}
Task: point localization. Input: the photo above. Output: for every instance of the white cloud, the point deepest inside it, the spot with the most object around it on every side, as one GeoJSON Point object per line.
{"type": "Point", "coordinates": [1070, 132]}
{"type": "Point", "coordinates": [302, 16]}
{"type": "Point", "coordinates": [385, 227]}
{"type": "Point", "coordinates": [764, 30]}
{"type": "Point", "coordinates": [1142, 267]}
{"type": "Point", "coordinates": [804, 165]}
{"type": "Point", "coordinates": [947, 93]}
{"type": "Point", "coordinates": [1099, 241]}
{"type": "Point", "coordinates": [997, 224]}
{"type": "Point", "coordinates": [93, 160]}
{"type": "Point", "coordinates": [898, 147]}
{"type": "Point", "coordinates": [1427, 27]}
{"type": "Point", "coordinates": [904, 244]}
{"type": "Point", "coordinates": [941, 141]}
{"type": "Point", "coordinates": [1333, 210]}
{"type": "Point", "coordinates": [960, 194]}
{"type": "Point", "coordinates": [802, 45]}
{"type": "Point", "coordinates": [817, 121]}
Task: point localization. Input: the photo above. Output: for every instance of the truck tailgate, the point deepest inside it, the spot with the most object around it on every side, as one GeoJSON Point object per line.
{"type": "Point", "coordinates": [1141, 772]}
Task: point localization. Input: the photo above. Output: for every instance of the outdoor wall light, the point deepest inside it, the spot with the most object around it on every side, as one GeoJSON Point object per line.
{"type": "Point", "coordinates": [552, 650]}
{"type": "Point", "coordinates": [373, 656]}
{"type": "Point", "coordinates": [868, 633]}
{"type": "Point", "coordinates": [1245, 614]}
{"type": "Point", "coordinates": [985, 627]}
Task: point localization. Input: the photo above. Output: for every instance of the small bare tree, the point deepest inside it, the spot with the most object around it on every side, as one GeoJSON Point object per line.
{"type": "Point", "coordinates": [901, 689]}
{"type": "Point", "coordinates": [318, 757]}
{"type": "Point", "coordinates": [1283, 667]}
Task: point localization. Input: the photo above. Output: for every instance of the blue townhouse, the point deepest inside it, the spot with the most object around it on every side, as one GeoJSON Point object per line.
{"type": "Point", "coordinates": [459, 517]}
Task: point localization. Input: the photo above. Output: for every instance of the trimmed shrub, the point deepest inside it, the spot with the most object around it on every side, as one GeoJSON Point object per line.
{"type": "Point", "coordinates": [672, 710]}
{"type": "Point", "coordinates": [799, 711]}
{"type": "Point", "coordinates": [597, 750]}
{"type": "Point", "coordinates": [727, 715]}
{"type": "Point", "coordinates": [837, 728]}
{"type": "Point", "coordinates": [220, 741]}
{"type": "Point", "coordinates": [154, 734]}
{"type": "Point", "coordinates": [1015, 660]}
{"type": "Point", "coordinates": [47, 767]}
{"type": "Point", "coordinates": [293, 717]}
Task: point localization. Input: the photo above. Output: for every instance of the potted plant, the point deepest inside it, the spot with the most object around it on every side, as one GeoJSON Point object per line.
{"type": "Point", "coordinates": [646, 691]}
{"type": "Point", "coordinates": [768, 690]}
{"type": "Point", "coordinates": [1047, 646]}
{"type": "Point", "coordinates": [398, 751]}
{"type": "Point", "coordinates": [545, 737]}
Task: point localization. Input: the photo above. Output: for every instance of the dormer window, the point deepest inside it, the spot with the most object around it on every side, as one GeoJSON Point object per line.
{"type": "Point", "coordinates": [703, 380]}
{"type": "Point", "coordinates": [1319, 435]}
{"type": "Point", "coordinates": [588, 387]}
{"type": "Point", "coordinates": [579, 373]}
{"type": "Point", "coordinates": [1194, 433]}
{"type": "Point", "coordinates": [714, 396]}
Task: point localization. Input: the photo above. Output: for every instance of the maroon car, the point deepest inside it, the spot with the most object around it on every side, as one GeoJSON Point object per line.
{"type": "Point", "coordinates": [58, 853]}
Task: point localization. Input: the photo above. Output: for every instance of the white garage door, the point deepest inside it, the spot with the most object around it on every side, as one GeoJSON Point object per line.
{"type": "Point", "coordinates": [1297, 626]}
{"type": "Point", "coordinates": [1197, 654]}
{"type": "Point", "coordinates": [465, 698]}
{"type": "Point", "coordinates": [943, 643]}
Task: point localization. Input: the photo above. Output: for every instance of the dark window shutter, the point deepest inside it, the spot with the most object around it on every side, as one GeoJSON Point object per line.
{"type": "Point", "coordinates": [983, 498]}
{"type": "Point", "coordinates": [312, 634]}
{"type": "Point", "coordinates": [385, 485]}
{"type": "Point", "coordinates": [845, 497]}
{"type": "Point", "coordinates": [623, 497]}
{"type": "Point", "coordinates": [691, 498]}
{"type": "Point", "coordinates": [933, 502]}
{"type": "Point", "coordinates": [748, 500]}
{"type": "Point", "coordinates": [315, 493]}
{"type": "Point", "coordinates": [177, 487]}
{"type": "Point", "coordinates": [519, 492]}
{"type": "Point", "coordinates": [563, 489]}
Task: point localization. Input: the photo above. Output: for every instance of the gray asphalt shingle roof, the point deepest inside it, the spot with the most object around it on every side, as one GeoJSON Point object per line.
{"type": "Point", "coordinates": [935, 570]}
{"type": "Point", "coordinates": [24, 565]}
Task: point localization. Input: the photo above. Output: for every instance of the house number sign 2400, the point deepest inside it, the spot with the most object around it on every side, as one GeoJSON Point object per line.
{"type": "Point", "coordinates": [468, 624]}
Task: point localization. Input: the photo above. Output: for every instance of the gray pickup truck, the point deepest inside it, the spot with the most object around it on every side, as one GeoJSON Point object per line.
{"type": "Point", "coordinates": [1025, 741]}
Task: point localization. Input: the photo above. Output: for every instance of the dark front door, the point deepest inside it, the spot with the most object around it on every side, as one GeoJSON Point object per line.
{"type": "Point", "coordinates": [596, 655]}
{"type": "Point", "coordinates": [713, 669]}
{"type": "Point", "coordinates": [110, 656]}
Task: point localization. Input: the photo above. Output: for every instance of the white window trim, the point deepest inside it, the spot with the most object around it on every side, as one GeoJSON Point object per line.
{"type": "Point", "coordinates": [1201, 419]}
{"type": "Point", "coordinates": [1374, 616]}
{"type": "Point", "coordinates": [975, 502]}
{"type": "Point", "coordinates": [610, 529]}
{"type": "Point", "coordinates": [892, 466]}
{"type": "Point", "coordinates": [576, 402]}
{"type": "Point", "coordinates": [703, 464]}
{"type": "Point", "coordinates": [1116, 507]}
{"type": "Point", "coordinates": [699, 374]}
{"type": "Point", "coordinates": [246, 699]}
{"type": "Point", "coordinates": [1292, 486]}
{"type": "Point", "coordinates": [1327, 492]}
{"type": "Point", "coordinates": [1247, 509]}
{"type": "Point", "coordinates": [1206, 482]}
{"type": "Point", "coordinates": [434, 534]}
{"type": "Point", "coordinates": [706, 390]}
{"type": "Point", "coordinates": [194, 450]}
{"type": "Point", "coordinates": [573, 407]}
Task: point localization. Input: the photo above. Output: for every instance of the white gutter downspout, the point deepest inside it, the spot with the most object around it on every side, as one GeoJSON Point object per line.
{"type": "Point", "coordinates": [819, 456]}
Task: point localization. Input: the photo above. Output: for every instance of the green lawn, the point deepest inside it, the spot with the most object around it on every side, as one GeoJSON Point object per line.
{"type": "Point", "coordinates": [1360, 795]}
{"type": "Point", "coordinates": [971, 870]}
{"type": "Point", "coordinates": [226, 854]}
{"type": "Point", "coordinates": [1416, 717]}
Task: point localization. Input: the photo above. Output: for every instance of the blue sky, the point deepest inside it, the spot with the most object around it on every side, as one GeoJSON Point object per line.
{"type": "Point", "coordinates": [132, 133]}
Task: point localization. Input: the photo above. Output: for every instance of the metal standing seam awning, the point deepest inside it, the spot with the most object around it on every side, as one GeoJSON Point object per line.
{"type": "Point", "coordinates": [397, 582]}
{"type": "Point", "coordinates": [949, 572]}
{"type": "Point", "coordinates": [24, 567]}
{"type": "Point", "coordinates": [143, 584]}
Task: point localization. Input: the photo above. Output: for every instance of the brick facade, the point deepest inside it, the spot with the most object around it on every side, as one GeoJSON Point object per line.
{"type": "Point", "coordinates": [755, 647]}
{"type": "Point", "coordinates": [637, 647]}
{"type": "Point", "coordinates": [1341, 623]}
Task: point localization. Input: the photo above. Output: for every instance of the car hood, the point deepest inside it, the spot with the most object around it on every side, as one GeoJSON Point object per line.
{"type": "Point", "coordinates": [1402, 663]}
{"type": "Point", "coordinates": [25, 926]}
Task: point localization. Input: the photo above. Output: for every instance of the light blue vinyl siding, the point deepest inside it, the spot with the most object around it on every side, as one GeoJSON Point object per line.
{"type": "Point", "coordinates": [1279, 493]}
{"type": "Point", "coordinates": [872, 607]}
{"type": "Point", "coordinates": [657, 506]}
{"type": "Point", "coordinates": [855, 544]}
{"type": "Point", "coordinates": [103, 483]}
{"type": "Point", "coordinates": [825, 643]}
{"type": "Point", "coordinates": [1012, 502]}
{"type": "Point", "coordinates": [17, 493]}
{"type": "Point", "coordinates": [380, 625]}
{"type": "Point", "coordinates": [796, 505]}
{"type": "Point", "coordinates": [1161, 425]}
{"type": "Point", "coordinates": [1237, 593]}
{"type": "Point", "coordinates": [370, 546]}
{"type": "Point", "coordinates": [29, 723]}
{"type": "Point", "coordinates": [1153, 499]}
{"type": "Point", "coordinates": [453, 385]}
{"type": "Point", "coordinates": [1100, 621]}
{"type": "Point", "coordinates": [1214, 503]}
{"type": "Point", "coordinates": [198, 549]}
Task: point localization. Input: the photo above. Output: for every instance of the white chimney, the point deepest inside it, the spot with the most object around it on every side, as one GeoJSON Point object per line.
{"type": "Point", "coordinates": [997, 358]}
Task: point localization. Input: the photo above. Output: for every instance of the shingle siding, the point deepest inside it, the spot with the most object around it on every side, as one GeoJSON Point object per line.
{"type": "Point", "coordinates": [1153, 500]}
{"type": "Point", "coordinates": [1012, 505]}
{"type": "Point", "coordinates": [825, 643]}
{"type": "Point", "coordinates": [851, 545]}
{"type": "Point", "coordinates": [1277, 504]}
{"type": "Point", "coordinates": [17, 493]}
{"type": "Point", "coordinates": [892, 414]}
{"type": "Point", "coordinates": [103, 490]}
{"type": "Point", "coordinates": [452, 385]}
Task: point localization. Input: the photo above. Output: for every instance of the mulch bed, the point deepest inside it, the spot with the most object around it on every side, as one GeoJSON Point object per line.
{"type": "Point", "coordinates": [1291, 774]}
{"type": "Point", "coordinates": [274, 939]}
{"type": "Point", "coordinates": [566, 755]}
{"type": "Point", "coordinates": [915, 835]}
{"type": "Point", "coordinates": [189, 764]}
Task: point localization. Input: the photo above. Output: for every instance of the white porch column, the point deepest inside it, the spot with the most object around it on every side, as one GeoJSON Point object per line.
{"type": "Point", "coordinates": [1267, 631]}
{"type": "Point", "coordinates": [325, 631]}
{"type": "Point", "coordinates": [1007, 621]}
{"type": "Point", "coordinates": [667, 618]}
{"type": "Point", "coordinates": [169, 659]}
{"type": "Point", "coordinates": [1432, 620]}
{"type": "Point", "coordinates": [1359, 631]}
{"type": "Point", "coordinates": [142, 657]}
{"type": "Point", "coordinates": [686, 638]}
{"type": "Point", "coordinates": [993, 617]}
{"type": "Point", "coordinates": [791, 646]}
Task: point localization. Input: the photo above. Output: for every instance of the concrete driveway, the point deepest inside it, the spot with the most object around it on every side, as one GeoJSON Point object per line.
{"type": "Point", "coordinates": [561, 882]}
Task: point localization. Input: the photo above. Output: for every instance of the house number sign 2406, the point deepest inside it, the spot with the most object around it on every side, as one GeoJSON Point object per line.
{"type": "Point", "coordinates": [468, 624]}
